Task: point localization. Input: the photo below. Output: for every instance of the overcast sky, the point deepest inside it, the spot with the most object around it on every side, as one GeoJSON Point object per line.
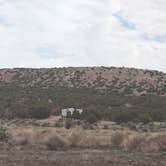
{"type": "Point", "coordinates": [54, 33]}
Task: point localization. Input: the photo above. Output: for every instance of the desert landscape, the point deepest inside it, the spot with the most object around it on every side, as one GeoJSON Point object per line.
{"type": "Point", "coordinates": [82, 83]}
{"type": "Point", "coordinates": [82, 117]}
{"type": "Point", "coordinates": [41, 142]}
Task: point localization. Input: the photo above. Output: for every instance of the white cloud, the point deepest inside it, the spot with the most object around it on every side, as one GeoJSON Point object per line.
{"type": "Point", "coordinates": [83, 33]}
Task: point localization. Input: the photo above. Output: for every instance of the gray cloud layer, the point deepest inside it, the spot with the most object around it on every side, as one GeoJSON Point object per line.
{"type": "Point", "coordinates": [82, 33]}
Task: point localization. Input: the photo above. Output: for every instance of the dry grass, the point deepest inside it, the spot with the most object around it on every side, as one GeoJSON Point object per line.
{"type": "Point", "coordinates": [75, 138]}
{"type": "Point", "coordinates": [82, 138]}
{"type": "Point", "coordinates": [157, 142]}
{"type": "Point", "coordinates": [21, 137]}
{"type": "Point", "coordinates": [55, 138]}
{"type": "Point", "coordinates": [135, 142]}
{"type": "Point", "coordinates": [161, 142]}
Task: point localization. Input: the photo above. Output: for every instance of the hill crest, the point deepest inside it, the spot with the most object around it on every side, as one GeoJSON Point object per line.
{"type": "Point", "coordinates": [128, 81]}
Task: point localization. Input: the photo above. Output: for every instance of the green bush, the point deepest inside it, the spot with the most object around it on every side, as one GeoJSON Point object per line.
{"type": "Point", "coordinates": [28, 102]}
{"type": "Point", "coordinates": [76, 115]}
{"type": "Point", "coordinates": [3, 134]}
{"type": "Point", "coordinates": [68, 123]}
{"type": "Point", "coordinates": [56, 143]}
{"type": "Point", "coordinates": [39, 112]}
{"type": "Point", "coordinates": [91, 118]}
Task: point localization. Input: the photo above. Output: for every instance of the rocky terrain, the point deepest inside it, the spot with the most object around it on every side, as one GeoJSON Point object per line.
{"type": "Point", "coordinates": [116, 94]}
{"type": "Point", "coordinates": [122, 80]}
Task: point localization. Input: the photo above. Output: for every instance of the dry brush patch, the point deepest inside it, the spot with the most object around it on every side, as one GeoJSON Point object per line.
{"type": "Point", "coordinates": [21, 136]}
{"type": "Point", "coordinates": [157, 142]}
{"type": "Point", "coordinates": [83, 139]}
{"type": "Point", "coordinates": [56, 143]}
{"type": "Point", "coordinates": [55, 139]}
{"type": "Point", "coordinates": [135, 142]}
{"type": "Point", "coordinates": [118, 138]}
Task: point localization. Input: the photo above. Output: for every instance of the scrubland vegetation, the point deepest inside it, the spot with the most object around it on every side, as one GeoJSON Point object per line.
{"type": "Point", "coordinates": [123, 120]}
{"type": "Point", "coordinates": [16, 102]}
{"type": "Point", "coordinates": [116, 94]}
{"type": "Point", "coordinates": [63, 139]}
{"type": "Point", "coordinates": [29, 141]}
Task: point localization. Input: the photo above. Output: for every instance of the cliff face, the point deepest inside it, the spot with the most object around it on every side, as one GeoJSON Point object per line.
{"type": "Point", "coordinates": [123, 80]}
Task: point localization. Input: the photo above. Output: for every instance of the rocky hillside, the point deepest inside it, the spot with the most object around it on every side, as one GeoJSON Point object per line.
{"type": "Point", "coordinates": [116, 94]}
{"type": "Point", "coordinates": [122, 80]}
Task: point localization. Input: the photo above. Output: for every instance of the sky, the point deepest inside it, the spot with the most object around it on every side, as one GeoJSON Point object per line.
{"type": "Point", "coordinates": [57, 33]}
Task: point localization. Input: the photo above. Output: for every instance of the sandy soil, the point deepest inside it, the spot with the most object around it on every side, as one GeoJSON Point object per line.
{"type": "Point", "coordinates": [23, 156]}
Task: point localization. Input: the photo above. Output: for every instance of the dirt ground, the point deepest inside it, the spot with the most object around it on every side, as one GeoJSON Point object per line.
{"type": "Point", "coordinates": [83, 157]}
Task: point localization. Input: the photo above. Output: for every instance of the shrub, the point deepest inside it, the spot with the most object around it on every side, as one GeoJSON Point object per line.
{"type": "Point", "coordinates": [76, 115]}
{"type": "Point", "coordinates": [144, 117]}
{"type": "Point", "coordinates": [91, 118]}
{"type": "Point", "coordinates": [56, 143]}
{"type": "Point", "coordinates": [85, 126]}
{"type": "Point", "coordinates": [117, 139]}
{"type": "Point", "coordinates": [19, 141]}
{"type": "Point", "coordinates": [105, 127]}
{"type": "Point", "coordinates": [68, 123]}
{"type": "Point", "coordinates": [39, 112]}
{"type": "Point", "coordinates": [3, 134]}
{"type": "Point", "coordinates": [21, 112]}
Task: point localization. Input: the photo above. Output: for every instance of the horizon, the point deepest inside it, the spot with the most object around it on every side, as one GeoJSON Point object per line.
{"type": "Point", "coordinates": [118, 67]}
{"type": "Point", "coordinates": [49, 34]}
